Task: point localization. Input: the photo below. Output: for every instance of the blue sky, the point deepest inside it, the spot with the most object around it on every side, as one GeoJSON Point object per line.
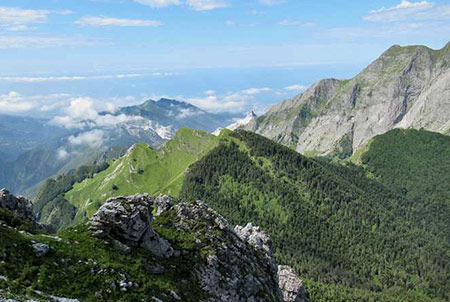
{"type": "Point", "coordinates": [222, 55]}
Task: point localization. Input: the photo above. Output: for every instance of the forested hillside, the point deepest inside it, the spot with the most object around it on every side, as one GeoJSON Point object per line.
{"type": "Point", "coordinates": [416, 164]}
{"type": "Point", "coordinates": [334, 225]}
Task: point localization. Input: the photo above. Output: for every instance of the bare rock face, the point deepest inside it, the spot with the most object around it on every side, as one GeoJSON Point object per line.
{"type": "Point", "coordinates": [407, 87]}
{"type": "Point", "coordinates": [233, 265]}
{"type": "Point", "coordinates": [254, 236]}
{"type": "Point", "coordinates": [20, 206]}
{"type": "Point", "coordinates": [163, 203]}
{"type": "Point", "coordinates": [126, 222]}
{"type": "Point", "coordinates": [234, 270]}
{"type": "Point", "coordinates": [291, 285]}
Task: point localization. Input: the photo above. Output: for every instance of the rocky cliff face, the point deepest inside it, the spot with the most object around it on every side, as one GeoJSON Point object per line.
{"type": "Point", "coordinates": [407, 87]}
{"type": "Point", "coordinates": [20, 206]}
{"type": "Point", "coordinates": [238, 265]}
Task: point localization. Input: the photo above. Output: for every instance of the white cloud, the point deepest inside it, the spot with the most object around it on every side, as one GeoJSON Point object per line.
{"type": "Point", "coordinates": [65, 12]}
{"type": "Point", "coordinates": [83, 77]}
{"type": "Point", "coordinates": [271, 2]}
{"type": "Point", "coordinates": [409, 11]}
{"type": "Point", "coordinates": [16, 19]}
{"type": "Point", "coordinates": [62, 154]}
{"type": "Point", "coordinates": [81, 114]}
{"type": "Point", "coordinates": [158, 3]}
{"type": "Point", "coordinates": [234, 102]}
{"type": "Point", "coordinates": [7, 42]}
{"type": "Point", "coordinates": [229, 103]}
{"type": "Point", "coordinates": [288, 22]}
{"type": "Point", "coordinates": [252, 91]}
{"type": "Point", "coordinates": [93, 138]}
{"type": "Point", "coordinates": [295, 87]}
{"type": "Point", "coordinates": [201, 5]}
{"type": "Point", "coordinates": [105, 21]}
{"type": "Point", "coordinates": [13, 102]}
{"type": "Point", "coordinates": [186, 113]}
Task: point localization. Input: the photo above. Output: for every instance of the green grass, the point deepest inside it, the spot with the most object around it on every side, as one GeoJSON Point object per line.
{"type": "Point", "coordinates": [80, 266]}
{"type": "Point", "coordinates": [143, 170]}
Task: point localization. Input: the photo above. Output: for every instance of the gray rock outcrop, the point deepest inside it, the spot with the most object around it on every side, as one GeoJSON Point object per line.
{"type": "Point", "coordinates": [126, 222]}
{"type": "Point", "coordinates": [407, 87]}
{"type": "Point", "coordinates": [234, 269]}
{"type": "Point", "coordinates": [255, 237]}
{"type": "Point", "coordinates": [291, 285]}
{"type": "Point", "coordinates": [236, 264]}
{"type": "Point", "coordinates": [20, 206]}
{"type": "Point", "coordinates": [40, 249]}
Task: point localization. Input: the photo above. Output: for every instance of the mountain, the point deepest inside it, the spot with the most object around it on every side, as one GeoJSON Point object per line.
{"type": "Point", "coordinates": [346, 233]}
{"type": "Point", "coordinates": [407, 87]}
{"type": "Point", "coordinates": [21, 134]}
{"type": "Point", "coordinates": [142, 169]}
{"type": "Point", "coordinates": [125, 253]}
{"type": "Point", "coordinates": [340, 230]}
{"type": "Point", "coordinates": [177, 114]}
{"type": "Point", "coordinates": [36, 150]}
{"type": "Point", "coordinates": [249, 121]}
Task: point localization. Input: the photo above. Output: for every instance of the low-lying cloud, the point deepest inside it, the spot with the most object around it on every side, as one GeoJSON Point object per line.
{"type": "Point", "coordinates": [81, 114]}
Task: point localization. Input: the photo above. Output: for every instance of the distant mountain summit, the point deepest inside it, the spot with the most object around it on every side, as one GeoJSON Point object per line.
{"type": "Point", "coordinates": [406, 87]}
{"type": "Point", "coordinates": [249, 121]}
{"type": "Point", "coordinates": [33, 150]}
{"type": "Point", "coordinates": [167, 112]}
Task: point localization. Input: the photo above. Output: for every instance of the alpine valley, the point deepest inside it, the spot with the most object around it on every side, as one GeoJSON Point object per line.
{"type": "Point", "coordinates": [339, 194]}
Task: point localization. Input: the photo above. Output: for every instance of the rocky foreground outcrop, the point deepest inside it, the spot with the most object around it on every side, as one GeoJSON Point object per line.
{"type": "Point", "coordinates": [238, 266]}
{"type": "Point", "coordinates": [20, 206]}
{"type": "Point", "coordinates": [126, 222]}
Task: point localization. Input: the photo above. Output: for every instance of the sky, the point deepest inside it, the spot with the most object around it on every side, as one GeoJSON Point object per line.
{"type": "Point", "coordinates": [221, 55]}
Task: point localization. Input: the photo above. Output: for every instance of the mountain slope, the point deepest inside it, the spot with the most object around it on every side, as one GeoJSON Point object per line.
{"type": "Point", "coordinates": [406, 87]}
{"type": "Point", "coordinates": [331, 223]}
{"type": "Point", "coordinates": [143, 169]}
{"type": "Point", "coordinates": [21, 134]}
{"type": "Point", "coordinates": [415, 163]}
{"type": "Point", "coordinates": [183, 253]}
{"type": "Point", "coordinates": [177, 114]}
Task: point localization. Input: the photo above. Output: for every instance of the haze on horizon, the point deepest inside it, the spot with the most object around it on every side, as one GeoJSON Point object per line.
{"type": "Point", "coordinates": [220, 55]}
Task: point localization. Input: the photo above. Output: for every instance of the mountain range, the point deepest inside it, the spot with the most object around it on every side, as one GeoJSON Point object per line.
{"type": "Point", "coordinates": [348, 183]}
{"type": "Point", "coordinates": [37, 149]}
{"type": "Point", "coordinates": [406, 87]}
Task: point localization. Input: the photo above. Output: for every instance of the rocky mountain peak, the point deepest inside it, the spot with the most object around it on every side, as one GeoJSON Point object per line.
{"type": "Point", "coordinates": [406, 87]}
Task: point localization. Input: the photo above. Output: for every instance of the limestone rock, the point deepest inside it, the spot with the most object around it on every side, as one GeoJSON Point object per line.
{"type": "Point", "coordinates": [407, 87]}
{"type": "Point", "coordinates": [126, 221]}
{"type": "Point", "coordinates": [20, 206]}
{"type": "Point", "coordinates": [163, 203]}
{"type": "Point", "coordinates": [291, 285]}
{"type": "Point", "coordinates": [255, 237]}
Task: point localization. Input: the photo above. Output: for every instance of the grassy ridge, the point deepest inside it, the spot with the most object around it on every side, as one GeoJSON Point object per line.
{"type": "Point", "coordinates": [143, 170]}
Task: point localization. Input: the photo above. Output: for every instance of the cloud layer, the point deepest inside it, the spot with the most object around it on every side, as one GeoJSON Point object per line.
{"type": "Point", "coordinates": [198, 5]}
{"type": "Point", "coordinates": [107, 21]}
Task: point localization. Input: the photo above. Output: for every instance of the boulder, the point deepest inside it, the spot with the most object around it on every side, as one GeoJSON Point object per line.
{"type": "Point", "coordinates": [163, 203]}
{"type": "Point", "coordinates": [126, 221]}
{"type": "Point", "coordinates": [20, 206]}
{"type": "Point", "coordinates": [291, 286]}
{"type": "Point", "coordinates": [254, 236]}
{"type": "Point", "coordinates": [40, 249]}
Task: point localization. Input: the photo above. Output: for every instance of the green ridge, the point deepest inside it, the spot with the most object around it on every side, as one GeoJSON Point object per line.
{"type": "Point", "coordinates": [336, 227]}
{"type": "Point", "coordinates": [142, 170]}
